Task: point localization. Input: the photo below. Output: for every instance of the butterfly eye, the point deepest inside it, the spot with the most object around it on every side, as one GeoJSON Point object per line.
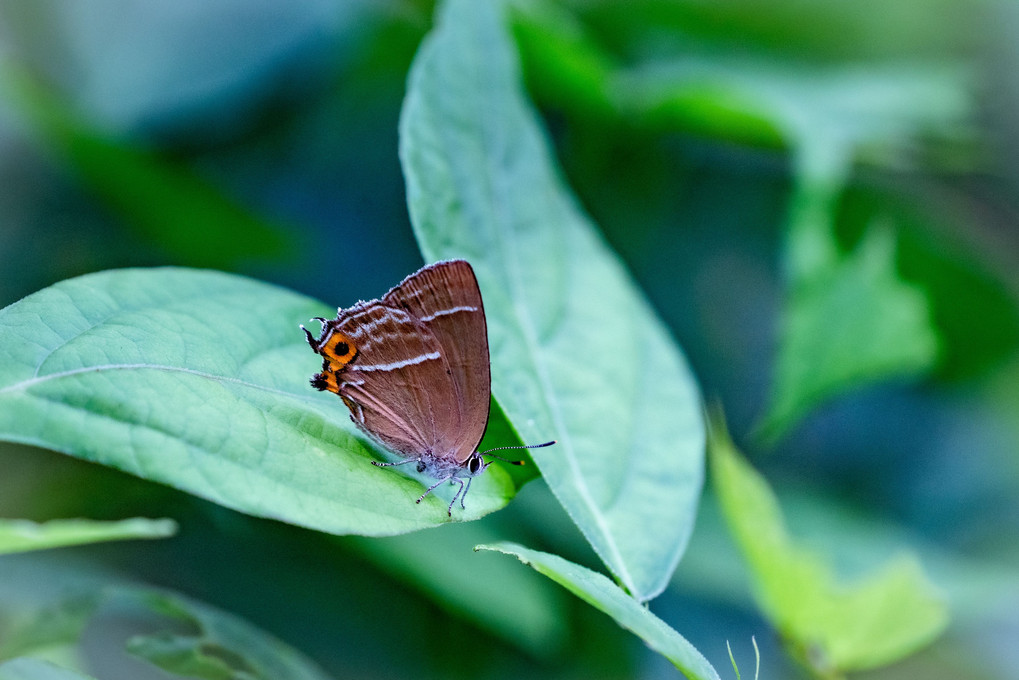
{"type": "Point", "coordinates": [474, 464]}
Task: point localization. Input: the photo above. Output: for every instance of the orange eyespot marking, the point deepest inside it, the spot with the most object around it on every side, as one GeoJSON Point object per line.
{"type": "Point", "coordinates": [339, 350]}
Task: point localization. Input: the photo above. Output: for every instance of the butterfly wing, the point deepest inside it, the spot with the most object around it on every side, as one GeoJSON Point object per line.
{"type": "Point", "coordinates": [445, 299]}
{"type": "Point", "coordinates": [397, 383]}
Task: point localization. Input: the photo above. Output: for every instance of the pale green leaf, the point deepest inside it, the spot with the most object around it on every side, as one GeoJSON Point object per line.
{"type": "Point", "coordinates": [604, 595]}
{"type": "Point", "coordinates": [578, 355]}
{"type": "Point", "coordinates": [22, 535]}
{"type": "Point", "coordinates": [831, 626]}
{"type": "Point", "coordinates": [199, 380]}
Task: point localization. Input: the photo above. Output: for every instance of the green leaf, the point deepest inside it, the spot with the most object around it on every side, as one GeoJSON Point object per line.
{"type": "Point", "coordinates": [22, 535]}
{"type": "Point", "coordinates": [198, 379]}
{"type": "Point", "coordinates": [828, 625]}
{"type": "Point", "coordinates": [507, 602]}
{"type": "Point", "coordinates": [27, 668]}
{"type": "Point", "coordinates": [222, 648]}
{"type": "Point", "coordinates": [606, 596]}
{"type": "Point", "coordinates": [578, 354]}
{"type": "Point", "coordinates": [849, 324]}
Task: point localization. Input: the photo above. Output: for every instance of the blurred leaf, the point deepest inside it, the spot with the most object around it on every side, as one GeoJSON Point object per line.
{"type": "Point", "coordinates": [223, 648]}
{"type": "Point", "coordinates": [60, 624]}
{"type": "Point", "coordinates": [829, 626]}
{"type": "Point", "coordinates": [851, 324]}
{"type": "Point", "coordinates": [166, 202]}
{"type": "Point", "coordinates": [197, 641]}
{"type": "Point", "coordinates": [37, 669]}
{"type": "Point", "coordinates": [506, 602]}
{"type": "Point", "coordinates": [606, 596]}
{"type": "Point", "coordinates": [965, 272]}
{"type": "Point", "coordinates": [562, 63]}
{"type": "Point", "coordinates": [867, 29]}
{"type": "Point", "coordinates": [198, 380]}
{"type": "Point", "coordinates": [22, 535]}
{"type": "Point", "coordinates": [876, 111]}
{"type": "Point", "coordinates": [577, 352]}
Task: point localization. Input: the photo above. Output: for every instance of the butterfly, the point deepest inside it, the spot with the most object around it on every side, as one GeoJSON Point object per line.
{"type": "Point", "coordinates": [413, 368]}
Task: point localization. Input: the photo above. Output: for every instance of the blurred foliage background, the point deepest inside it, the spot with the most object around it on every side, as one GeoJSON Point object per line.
{"type": "Point", "coordinates": [717, 145]}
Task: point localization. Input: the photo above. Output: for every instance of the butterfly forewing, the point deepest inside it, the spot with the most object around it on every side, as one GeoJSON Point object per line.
{"type": "Point", "coordinates": [446, 300]}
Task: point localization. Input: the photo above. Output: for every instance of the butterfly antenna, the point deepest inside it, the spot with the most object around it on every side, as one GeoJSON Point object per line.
{"type": "Point", "coordinates": [515, 462]}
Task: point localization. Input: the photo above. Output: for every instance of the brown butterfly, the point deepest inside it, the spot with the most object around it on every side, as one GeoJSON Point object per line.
{"type": "Point", "coordinates": [413, 369]}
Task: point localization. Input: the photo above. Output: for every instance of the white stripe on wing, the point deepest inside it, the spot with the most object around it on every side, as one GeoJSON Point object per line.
{"type": "Point", "coordinates": [451, 310]}
{"type": "Point", "coordinates": [421, 358]}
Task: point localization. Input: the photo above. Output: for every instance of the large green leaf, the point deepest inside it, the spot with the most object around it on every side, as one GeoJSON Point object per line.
{"type": "Point", "coordinates": [22, 535]}
{"type": "Point", "coordinates": [577, 352]}
{"type": "Point", "coordinates": [198, 379]}
{"type": "Point", "coordinates": [606, 596]}
{"type": "Point", "coordinates": [828, 625]}
{"type": "Point", "coordinates": [27, 668]}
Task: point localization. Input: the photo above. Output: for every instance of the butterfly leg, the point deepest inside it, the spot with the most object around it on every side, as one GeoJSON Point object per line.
{"type": "Point", "coordinates": [430, 489]}
{"type": "Point", "coordinates": [464, 494]}
{"type": "Point", "coordinates": [460, 493]}
{"type": "Point", "coordinates": [402, 462]}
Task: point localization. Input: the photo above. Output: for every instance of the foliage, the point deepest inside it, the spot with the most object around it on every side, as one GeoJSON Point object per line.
{"type": "Point", "coordinates": [792, 205]}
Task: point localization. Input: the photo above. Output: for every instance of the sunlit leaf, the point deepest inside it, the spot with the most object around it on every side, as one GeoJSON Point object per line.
{"type": "Point", "coordinates": [601, 593]}
{"type": "Point", "coordinates": [831, 626]}
{"type": "Point", "coordinates": [578, 355]}
{"type": "Point", "coordinates": [198, 380]}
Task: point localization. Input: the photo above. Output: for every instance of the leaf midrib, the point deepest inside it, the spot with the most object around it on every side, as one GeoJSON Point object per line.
{"type": "Point", "coordinates": [529, 333]}
{"type": "Point", "coordinates": [26, 384]}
